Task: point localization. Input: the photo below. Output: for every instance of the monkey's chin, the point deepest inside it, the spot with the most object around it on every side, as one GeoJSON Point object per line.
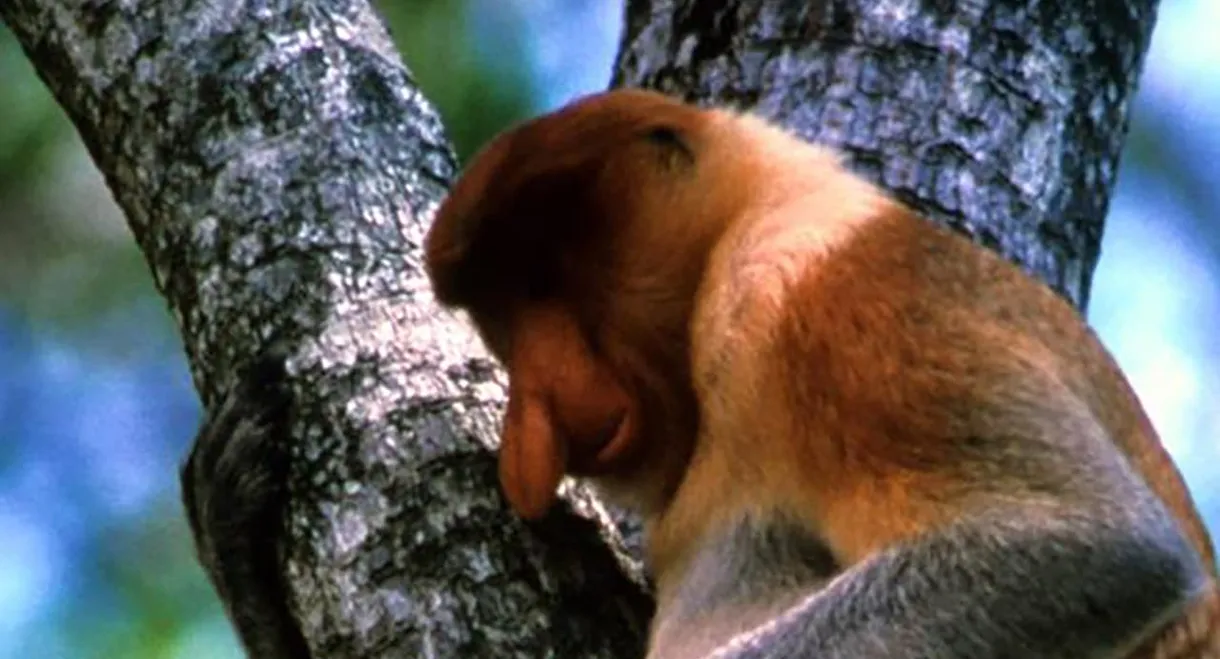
{"type": "Point", "coordinates": [641, 490]}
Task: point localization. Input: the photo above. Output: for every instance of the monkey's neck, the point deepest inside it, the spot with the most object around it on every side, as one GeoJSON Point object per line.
{"type": "Point", "coordinates": [737, 577]}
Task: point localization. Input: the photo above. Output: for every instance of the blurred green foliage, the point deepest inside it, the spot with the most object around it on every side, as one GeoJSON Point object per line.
{"type": "Point", "coordinates": [32, 120]}
{"type": "Point", "coordinates": [56, 262]}
{"type": "Point", "coordinates": [478, 90]}
{"type": "Point", "coordinates": [65, 254]}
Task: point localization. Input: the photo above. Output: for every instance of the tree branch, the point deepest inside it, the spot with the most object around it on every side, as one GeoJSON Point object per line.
{"type": "Point", "coordinates": [277, 165]}
{"type": "Point", "coordinates": [1003, 119]}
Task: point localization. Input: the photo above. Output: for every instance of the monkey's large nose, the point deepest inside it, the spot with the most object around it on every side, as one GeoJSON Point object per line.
{"type": "Point", "coordinates": [532, 457]}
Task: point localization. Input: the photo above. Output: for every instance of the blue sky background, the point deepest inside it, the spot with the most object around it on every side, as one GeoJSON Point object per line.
{"type": "Point", "coordinates": [97, 409]}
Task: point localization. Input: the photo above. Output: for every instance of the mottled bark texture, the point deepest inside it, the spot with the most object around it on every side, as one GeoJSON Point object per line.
{"type": "Point", "coordinates": [1003, 119]}
{"type": "Point", "coordinates": [278, 166]}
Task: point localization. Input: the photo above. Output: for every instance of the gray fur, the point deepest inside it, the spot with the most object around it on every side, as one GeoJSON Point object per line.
{"type": "Point", "coordinates": [1009, 585]}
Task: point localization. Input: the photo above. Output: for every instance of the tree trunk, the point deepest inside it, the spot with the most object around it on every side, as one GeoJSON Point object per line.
{"type": "Point", "coordinates": [278, 168]}
{"type": "Point", "coordinates": [1003, 119]}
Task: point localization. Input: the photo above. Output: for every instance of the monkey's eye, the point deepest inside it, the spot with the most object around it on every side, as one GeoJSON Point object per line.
{"type": "Point", "coordinates": [665, 136]}
{"type": "Point", "coordinates": [671, 142]}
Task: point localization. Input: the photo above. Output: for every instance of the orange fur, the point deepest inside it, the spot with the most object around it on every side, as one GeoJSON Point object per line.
{"type": "Point", "coordinates": [717, 320]}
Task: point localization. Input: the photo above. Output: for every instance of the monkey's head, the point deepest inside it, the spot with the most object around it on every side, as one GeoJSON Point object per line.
{"type": "Point", "coordinates": [577, 242]}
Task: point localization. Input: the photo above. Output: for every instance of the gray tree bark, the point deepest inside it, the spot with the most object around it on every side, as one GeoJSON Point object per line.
{"type": "Point", "coordinates": [1003, 119]}
{"type": "Point", "coordinates": [278, 166]}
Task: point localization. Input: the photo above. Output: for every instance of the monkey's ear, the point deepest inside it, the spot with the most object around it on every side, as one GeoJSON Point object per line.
{"type": "Point", "coordinates": [672, 143]}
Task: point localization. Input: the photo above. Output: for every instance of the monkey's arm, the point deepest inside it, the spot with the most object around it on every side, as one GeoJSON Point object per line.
{"type": "Point", "coordinates": [233, 487]}
{"type": "Point", "coordinates": [1011, 584]}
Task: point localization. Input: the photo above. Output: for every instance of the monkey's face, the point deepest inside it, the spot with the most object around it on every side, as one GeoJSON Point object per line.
{"type": "Point", "coordinates": [591, 395]}
{"type": "Point", "coordinates": [577, 243]}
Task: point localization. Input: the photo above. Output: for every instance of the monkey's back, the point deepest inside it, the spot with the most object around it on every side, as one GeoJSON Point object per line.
{"type": "Point", "coordinates": [940, 321]}
{"type": "Point", "coordinates": [1101, 383]}
{"type": "Point", "coordinates": [999, 293]}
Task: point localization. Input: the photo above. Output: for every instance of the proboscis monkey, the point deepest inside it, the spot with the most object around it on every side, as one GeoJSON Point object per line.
{"type": "Point", "coordinates": [851, 434]}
